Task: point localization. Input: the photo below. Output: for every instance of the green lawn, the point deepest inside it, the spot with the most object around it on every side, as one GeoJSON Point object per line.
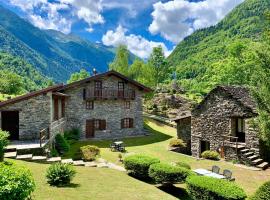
{"type": "Point", "coordinates": [94, 183]}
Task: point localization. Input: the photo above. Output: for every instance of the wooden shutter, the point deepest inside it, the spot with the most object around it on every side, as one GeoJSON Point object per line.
{"type": "Point", "coordinates": [102, 124]}
{"type": "Point", "coordinates": [55, 101]}
{"type": "Point", "coordinates": [63, 107]}
{"type": "Point", "coordinates": [122, 123]}
{"type": "Point", "coordinates": [131, 123]}
{"type": "Point", "coordinates": [84, 94]}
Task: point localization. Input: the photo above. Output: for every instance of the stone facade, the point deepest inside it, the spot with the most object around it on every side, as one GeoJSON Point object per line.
{"type": "Point", "coordinates": [184, 132]}
{"type": "Point", "coordinates": [110, 110]}
{"type": "Point", "coordinates": [215, 117]}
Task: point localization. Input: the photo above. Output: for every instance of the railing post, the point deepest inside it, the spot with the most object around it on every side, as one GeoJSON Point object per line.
{"type": "Point", "coordinates": [40, 138]}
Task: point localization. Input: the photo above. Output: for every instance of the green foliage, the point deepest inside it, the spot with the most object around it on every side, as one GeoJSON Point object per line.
{"type": "Point", "coordinates": [77, 76]}
{"type": "Point", "coordinates": [263, 193]}
{"type": "Point", "coordinates": [73, 134]}
{"type": "Point", "coordinates": [3, 143]}
{"type": "Point", "coordinates": [16, 183]}
{"type": "Point", "coordinates": [167, 174]}
{"type": "Point", "coordinates": [54, 153]}
{"type": "Point", "coordinates": [138, 165]}
{"type": "Point", "coordinates": [60, 174]}
{"type": "Point", "coordinates": [10, 83]}
{"type": "Point", "coordinates": [120, 62]}
{"type": "Point", "coordinates": [183, 165]}
{"type": "Point", "coordinates": [61, 144]}
{"type": "Point", "coordinates": [177, 143]}
{"type": "Point", "coordinates": [89, 152]}
{"type": "Point", "coordinates": [208, 188]}
{"type": "Point", "coordinates": [211, 155]}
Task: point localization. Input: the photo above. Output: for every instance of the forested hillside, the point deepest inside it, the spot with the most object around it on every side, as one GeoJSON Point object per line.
{"type": "Point", "coordinates": [52, 53]}
{"type": "Point", "coordinates": [207, 52]}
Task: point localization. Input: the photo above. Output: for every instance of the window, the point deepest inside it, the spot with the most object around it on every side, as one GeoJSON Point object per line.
{"type": "Point", "coordinates": [121, 86]}
{"type": "Point", "coordinates": [127, 123]}
{"type": "Point", "coordinates": [127, 104]}
{"type": "Point", "coordinates": [100, 124]}
{"type": "Point", "coordinates": [98, 85]}
{"type": "Point", "coordinates": [89, 105]}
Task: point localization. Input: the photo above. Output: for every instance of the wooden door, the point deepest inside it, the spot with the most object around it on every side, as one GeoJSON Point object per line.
{"type": "Point", "coordinates": [90, 128]}
{"type": "Point", "coordinates": [10, 123]}
{"type": "Point", "coordinates": [121, 89]}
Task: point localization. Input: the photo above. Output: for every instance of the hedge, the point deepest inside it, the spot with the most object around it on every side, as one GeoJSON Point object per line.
{"type": "Point", "coordinates": [90, 152]}
{"type": "Point", "coordinates": [138, 165]}
{"type": "Point", "coordinates": [263, 193]}
{"type": "Point", "coordinates": [61, 144]}
{"type": "Point", "coordinates": [177, 143]}
{"type": "Point", "coordinates": [211, 155]}
{"type": "Point", "coordinates": [16, 182]}
{"type": "Point", "coordinates": [183, 164]}
{"type": "Point", "coordinates": [3, 143]}
{"type": "Point", "coordinates": [208, 188]}
{"type": "Point", "coordinates": [168, 174]}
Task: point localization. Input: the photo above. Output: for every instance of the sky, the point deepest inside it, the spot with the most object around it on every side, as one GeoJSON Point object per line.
{"type": "Point", "coordinates": [138, 24]}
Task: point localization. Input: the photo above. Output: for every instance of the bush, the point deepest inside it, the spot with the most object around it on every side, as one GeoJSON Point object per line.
{"type": "Point", "coordinates": [3, 143]}
{"type": "Point", "coordinates": [77, 155]}
{"type": "Point", "coordinates": [211, 155]}
{"type": "Point", "coordinates": [73, 134]}
{"type": "Point", "coordinates": [168, 174]}
{"type": "Point", "coordinates": [184, 165]}
{"type": "Point", "coordinates": [61, 144]}
{"type": "Point", "coordinates": [89, 152]}
{"type": "Point", "coordinates": [138, 165]}
{"type": "Point", "coordinates": [16, 183]}
{"type": "Point", "coordinates": [177, 143]}
{"type": "Point", "coordinates": [60, 174]}
{"type": "Point", "coordinates": [54, 153]}
{"type": "Point", "coordinates": [263, 193]}
{"type": "Point", "coordinates": [208, 188]}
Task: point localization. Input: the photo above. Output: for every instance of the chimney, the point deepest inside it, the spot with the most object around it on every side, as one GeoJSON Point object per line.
{"type": "Point", "coordinates": [94, 71]}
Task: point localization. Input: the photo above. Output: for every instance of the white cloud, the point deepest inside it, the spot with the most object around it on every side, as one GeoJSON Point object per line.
{"type": "Point", "coordinates": [59, 15]}
{"type": "Point", "coordinates": [135, 43]}
{"type": "Point", "coordinates": [176, 19]}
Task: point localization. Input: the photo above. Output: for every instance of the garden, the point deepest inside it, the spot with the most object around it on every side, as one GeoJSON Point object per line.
{"type": "Point", "coordinates": [153, 172]}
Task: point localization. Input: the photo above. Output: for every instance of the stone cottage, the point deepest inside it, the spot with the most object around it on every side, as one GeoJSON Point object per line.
{"type": "Point", "coordinates": [223, 122]}
{"type": "Point", "coordinates": [107, 105]}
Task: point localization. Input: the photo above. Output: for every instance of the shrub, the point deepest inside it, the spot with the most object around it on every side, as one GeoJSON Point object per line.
{"type": "Point", "coordinates": [208, 188]}
{"type": "Point", "coordinates": [54, 153]}
{"type": "Point", "coordinates": [89, 152]}
{"type": "Point", "coordinates": [177, 143]}
{"type": "Point", "coordinates": [168, 174]}
{"type": "Point", "coordinates": [184, 165]}
{"type": "Point", "coordinates": [138, 165]}
{"type": "Point", "coordinates": [263, 193]}
{"type": "Point", "coordinates": [73, 134]}
{"type": "Point", "coordinates": [211, 155]}
{"type": "Point", "coordinates": [3, 143]}
{"type": "Point", "coordinates": [61, 144]}
{"type": "Point", "coordinates": [77, 155]}
{"type": "Point", "coordinates": [60, 174]}
{"type": "Point", "coordinates": [16, 183]}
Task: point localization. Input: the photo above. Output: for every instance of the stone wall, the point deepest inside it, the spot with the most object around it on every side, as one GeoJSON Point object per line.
{"type": "Point", "coordinates": [184, 132]}
{"type": "Point", "coordinates": [213, 118]}
{"type": "Point", "coordinates": [34, 115]}
{"type": "Point", "coordinates": [110, 110]}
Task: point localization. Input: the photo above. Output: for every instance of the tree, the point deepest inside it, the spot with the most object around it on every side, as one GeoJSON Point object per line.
{"type": "Point", "coordinates": [120, 62]}
{"type": "Point", "coordinates": [78, 76]}
{"type": "Point", "coordinates": [135, 70]}
{"type": "Point", "coordinates": [11, 83]}
{"type": "Point", "coordinates": [158, 61]}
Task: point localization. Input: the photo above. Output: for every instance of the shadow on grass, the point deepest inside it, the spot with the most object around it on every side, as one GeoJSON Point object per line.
{"type": "Point", "coordinates": [71, 185]}
{"type": "Point", "coordinates": [177, 192]}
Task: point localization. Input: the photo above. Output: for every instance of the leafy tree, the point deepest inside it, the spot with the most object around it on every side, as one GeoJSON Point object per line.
{"type": "Point", "coordinates": [10, 83]}
{"type": "Point", "coordinates": [78, 76]}
{"type": "Point", "coordinates": [158, 61]}
{"type": "Point", "coordinates": [135, 70]}
{"type": "Point", "coordinates": [120, 62]}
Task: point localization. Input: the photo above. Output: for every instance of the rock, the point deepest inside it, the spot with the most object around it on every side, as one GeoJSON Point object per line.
{"type": "Point", "coordinates": [78, 163]}
{"type": "Point", "coordinates": [91, 164]}
{"type": "Point", "coordinates": [67, 161]}
{"type": "Point", "coordinates": [54, 159]}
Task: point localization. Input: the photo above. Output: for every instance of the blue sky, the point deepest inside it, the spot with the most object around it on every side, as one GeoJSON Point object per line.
{"type": "Point", "coordinates": [139, 24]}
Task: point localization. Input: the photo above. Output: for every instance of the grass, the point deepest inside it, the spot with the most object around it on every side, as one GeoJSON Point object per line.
{"type": "Point", "coordinates": [94, 183]}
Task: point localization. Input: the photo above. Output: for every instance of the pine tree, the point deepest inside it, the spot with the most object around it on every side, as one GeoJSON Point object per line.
{"type": "Point", "coordinates": [120, 62]}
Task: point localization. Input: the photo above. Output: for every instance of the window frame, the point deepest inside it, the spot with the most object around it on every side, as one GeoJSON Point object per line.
{"type": "Point", "coordinates": [89, 105]}
{"type": "Point", "coordinates": [127, 123]}
{"type": "Point", "coordinates": [127, 104]}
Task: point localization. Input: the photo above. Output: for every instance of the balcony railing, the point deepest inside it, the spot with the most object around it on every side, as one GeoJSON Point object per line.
{"type": "Point", "coordinates": [109, 94]}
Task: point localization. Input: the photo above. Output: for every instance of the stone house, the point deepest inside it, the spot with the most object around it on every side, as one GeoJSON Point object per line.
{"type": "Point", "coordinates": [107, 105]}
{"type": "Point", "coordinates": [223, 122]}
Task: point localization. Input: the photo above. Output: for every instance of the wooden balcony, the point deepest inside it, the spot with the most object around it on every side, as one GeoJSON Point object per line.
{"type": "Point", "coordinates": [92, 94]}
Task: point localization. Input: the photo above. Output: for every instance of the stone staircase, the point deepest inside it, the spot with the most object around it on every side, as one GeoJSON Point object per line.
{"type": "Point", "coordinates": [100, 163]}
{"type": "Point", "coordinates": [252, 157]}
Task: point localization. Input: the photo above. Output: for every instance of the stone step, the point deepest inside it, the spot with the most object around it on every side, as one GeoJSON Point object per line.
{"type": "Point", "coordinates": [263, 165]}
{"type": "Point", "coordinates": [244, 151]}
{"type": "Point", "coordinates": [78, 163]}
{"type": "Point", "coordinates": [24, 157]}
{"type": "Point", "coordinates": [254, 157]}
{"type": "Point", "coordinates": [67, 161]}
{"type": "Point", "coordinates": [248, 154]}
{"type": "Point", "coordinates": [10, 154]}
{"type": "Point", "coordinates": [10, 149]}
{"type": "Point", "coordinates": [39, 158]}
{"type": "Point", "coordinates": [91, 164]}
{"type": "Point", "coordinates": [257, 161]}
{"type": "Point", "coordinates": [54, 159]}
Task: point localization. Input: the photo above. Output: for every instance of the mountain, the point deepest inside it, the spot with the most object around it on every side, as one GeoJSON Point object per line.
{"type": "Point", "coordinates": [53, 53]}
{"type": "Point", "coordinates": [199, 51]}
